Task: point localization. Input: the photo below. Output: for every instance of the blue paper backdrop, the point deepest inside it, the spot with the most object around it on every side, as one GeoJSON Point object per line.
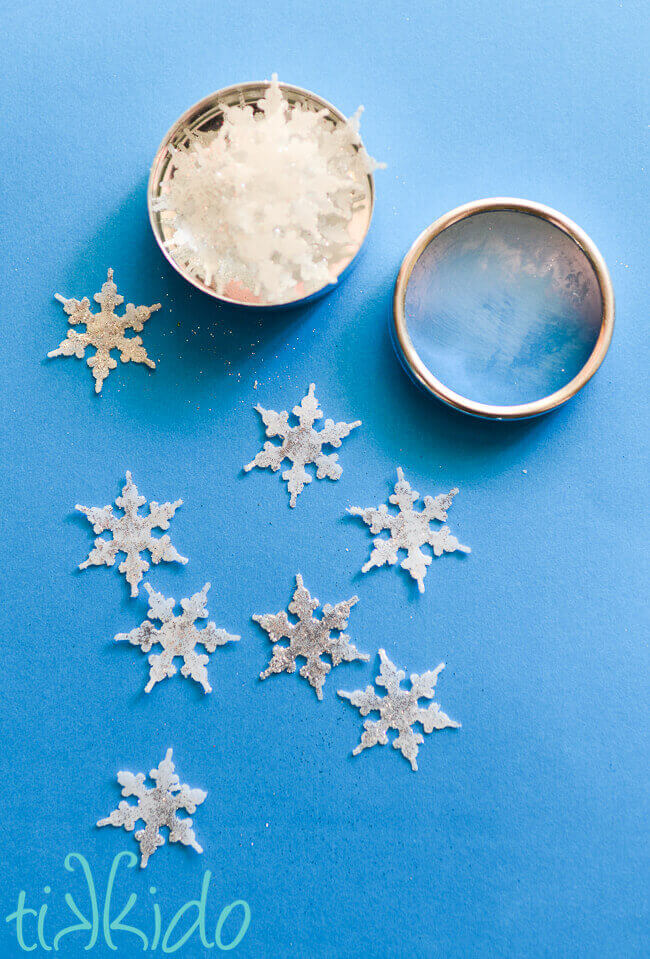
{"type": "Point", "coordinates": [524, 833]}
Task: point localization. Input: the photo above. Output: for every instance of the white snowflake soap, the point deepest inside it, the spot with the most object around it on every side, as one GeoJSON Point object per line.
{"type": "Point", "coordinates": [399, 709]}
{"type": "Point", "coordinates": [409, 529]}
{"type": "Point", "coordinates": [157, 808]}
{"type": "Point", "coordinates": [132, 534]}
{"type": "Point", "coordinates": [105, 331]}
{"type": "Point", "coordinates": [260, 209]}
{"type": "Point", "coordinates": [302, 445]}
{"type": "Point", "coordinates": [309, 638]}
{"type": "Point", "coordinates": [178, 636]}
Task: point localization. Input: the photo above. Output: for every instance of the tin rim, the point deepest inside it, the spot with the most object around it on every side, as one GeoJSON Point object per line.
{"type": "Point", "coordinates": [194, 117]}
{"type": "Point", "coordinates": [425, 377]}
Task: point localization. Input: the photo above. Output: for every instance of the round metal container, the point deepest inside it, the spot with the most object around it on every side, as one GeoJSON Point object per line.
{"type": "Point", "coordinates": [503, 309]}
{"type": "Point", "coordinates": [207, 116]}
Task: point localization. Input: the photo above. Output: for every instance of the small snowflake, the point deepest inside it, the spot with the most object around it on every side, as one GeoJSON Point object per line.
{"type": "Point", "coordinates": [178, 636]}
{"type": "Point", "coordinates": [131, 534]}
{"type": "Point", "coordinates": [399, 709]}
{"type": "Point", "coordinates": [301, 444]}
{"type": "Point", "coordinates": [409, 529]}
{"type": "Point", "coordinates": [105, 331]}
{"type": "Point", "coordinates": [309, 638]}
{"type": "Point", "coordinates": [157, 807]}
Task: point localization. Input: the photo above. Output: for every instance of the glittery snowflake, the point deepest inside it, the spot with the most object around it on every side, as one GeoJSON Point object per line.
{"type": "Point", "coordinates": [301, 444]}
{"type": "Point", "coordinates": [309, 638]}
{"type": "Point", "coordinates": [178, 636]}
{"type": "Point", "coordinates": [131, 534]}
{"type": "Point", "coordinates": [399, 709]}
{"type": "Point", "coordinates": [105, 331]}
{"type": "Point", "coordinates": [156, 807]}
{"type": "Point", "coordinates": [409, 529]}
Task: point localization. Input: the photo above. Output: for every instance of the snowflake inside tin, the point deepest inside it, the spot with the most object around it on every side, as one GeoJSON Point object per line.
{"type": "Point", "coordinates": [132, 534]}
{"type": "Point", "coordinates": [309, 638]}
{"type": "Point", "coordinates": [178, 636]}
{"type": "Point", "coordinates": [105, 331]}
{"type": "Point", "coordinates": [409, 529]}
{"type": "Point", "coordinates": [157, 808]}
{"type": "Point", "coordinates": [301, 444]}
{"type": "Point", "coordinates": [261, 208]}
{"type": "Point", "coordinates": [399, 709]}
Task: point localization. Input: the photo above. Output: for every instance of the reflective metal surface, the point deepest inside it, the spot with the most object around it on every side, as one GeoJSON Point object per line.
{"type": "Point", "coordinates": [206, 116]}
{"type": "Point", "coordinates": [503, 308]}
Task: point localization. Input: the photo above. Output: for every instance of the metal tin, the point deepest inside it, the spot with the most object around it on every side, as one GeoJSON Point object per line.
{"type": "Point", "coordinates": [207, 115]}
{"type": "Point", "coordinates": [555, 273]}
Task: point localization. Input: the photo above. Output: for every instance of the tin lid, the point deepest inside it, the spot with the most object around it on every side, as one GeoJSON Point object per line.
{"type": "Point", "coordinates": [503, 308]}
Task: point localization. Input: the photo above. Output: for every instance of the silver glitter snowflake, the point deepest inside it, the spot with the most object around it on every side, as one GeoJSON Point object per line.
{"type": "Point", "coordinates": [178, 636]}
{"type": "Point", "coordinates": [105, 331]}
{"type": "Point", "coordinates": [301, 444]}
{"type": "Point", "coordinates": [309, 638]}
{"type": "Point", "coordinates": [409, 529]}
{"type": "Point", "coordinates": [399, 709]}
{"type": "Point", "coordinates": [131, 534]}
{"type": "Point", "coordinates": [157, 808]}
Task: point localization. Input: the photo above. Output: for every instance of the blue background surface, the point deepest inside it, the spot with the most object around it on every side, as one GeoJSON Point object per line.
{"type": "Point", "coordinates": [524, 833]}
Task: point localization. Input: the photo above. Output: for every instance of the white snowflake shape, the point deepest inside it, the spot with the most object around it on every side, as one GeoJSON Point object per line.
{"type": "Point", "coordinates": [157, 807]}
{"type": "Point", "coordinates": [105, 331]}
{"type": "Point", "coordinates": [409, 529]}
{"type": "Point", "coordinates": [309, 638]}
{"type": "Point", "coordinates": [178, 636]}
{"type": "Point", "coordinates": [399, 709]}
{"type": "Point", "coordinates": [301, 444]}
{"type": "Point", "coordinates": [131, 534]}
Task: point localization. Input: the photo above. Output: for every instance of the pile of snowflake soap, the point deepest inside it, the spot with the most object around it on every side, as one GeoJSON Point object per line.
{"type": "Point", "coordinates": [320, 643]}
{"type": "Point", "coordinates": [262, 206]}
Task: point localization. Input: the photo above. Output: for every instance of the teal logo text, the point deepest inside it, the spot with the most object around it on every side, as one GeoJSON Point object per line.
{"type": "Point", "coordinates": [100, 916]}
